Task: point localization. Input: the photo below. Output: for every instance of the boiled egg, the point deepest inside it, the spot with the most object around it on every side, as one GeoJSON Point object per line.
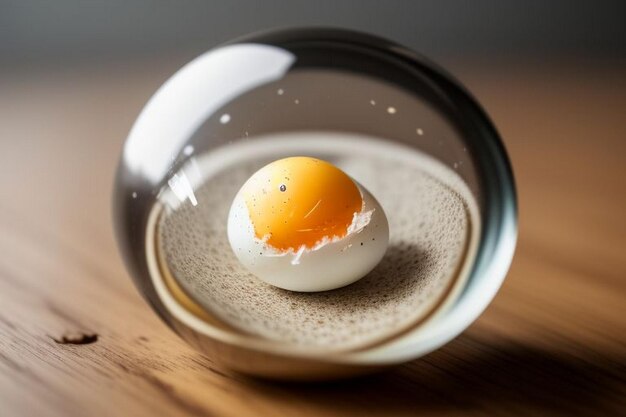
{"type": "Point", "coordinates": [302, 224]}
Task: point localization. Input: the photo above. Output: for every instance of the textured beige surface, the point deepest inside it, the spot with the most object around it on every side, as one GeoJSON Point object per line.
{"type": "Point", "coordinates": [429, 226]}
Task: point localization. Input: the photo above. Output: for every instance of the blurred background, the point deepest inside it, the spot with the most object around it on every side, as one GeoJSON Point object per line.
{"type": "Point", "coordinates": [38, 32]}
{"type": "Point", "coordinates": [71, 32]}
{"type": "Point", "coordinates": [74, 75]}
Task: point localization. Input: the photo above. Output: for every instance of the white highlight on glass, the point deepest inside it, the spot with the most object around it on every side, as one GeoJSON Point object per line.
{"type": "Point", "coordinates": [181, 187]}
{"type": "Point", "coordinates": [184, 102]}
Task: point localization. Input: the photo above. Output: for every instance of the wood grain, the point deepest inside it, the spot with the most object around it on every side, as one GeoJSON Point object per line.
{"type": "Point", "coordinates": [552, 343]}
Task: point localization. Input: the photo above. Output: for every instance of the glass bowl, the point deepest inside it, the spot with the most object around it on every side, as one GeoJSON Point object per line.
{"type": "Point", "coordinates": [395, 122]}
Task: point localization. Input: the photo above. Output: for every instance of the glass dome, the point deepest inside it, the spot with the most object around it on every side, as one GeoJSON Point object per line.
{"type": "Point", "coordinates": [394, 122]}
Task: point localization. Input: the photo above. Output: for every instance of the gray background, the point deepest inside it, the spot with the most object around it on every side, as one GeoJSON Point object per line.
{"type": "Point", "coordinates": [58, 31]}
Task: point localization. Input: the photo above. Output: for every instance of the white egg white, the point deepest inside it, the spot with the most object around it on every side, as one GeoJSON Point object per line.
{"type": "Point", "coordinates": [332, 263]}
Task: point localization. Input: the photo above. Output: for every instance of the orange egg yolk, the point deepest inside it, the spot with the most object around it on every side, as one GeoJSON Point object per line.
{"type": "Point", "coordinates": [300, 201]}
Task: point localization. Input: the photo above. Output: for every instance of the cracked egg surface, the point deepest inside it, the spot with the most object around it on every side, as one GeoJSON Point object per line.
{"type": "Point", "coordinates": [302, 224]}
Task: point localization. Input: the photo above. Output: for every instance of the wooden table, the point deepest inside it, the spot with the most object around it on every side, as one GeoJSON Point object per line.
{"type": "Point", "coordinates": [553, 341]}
